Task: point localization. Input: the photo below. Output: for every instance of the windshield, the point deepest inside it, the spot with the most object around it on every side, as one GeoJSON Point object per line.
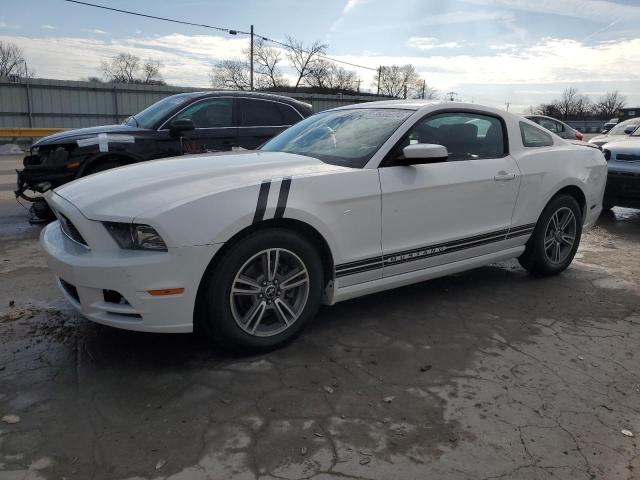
{"type": "Point", "coordinates": [341, 137]}
{"type": "Point", "coordinates": [619, 128]}
{"type": "Point", "coordinates": [156, 112]}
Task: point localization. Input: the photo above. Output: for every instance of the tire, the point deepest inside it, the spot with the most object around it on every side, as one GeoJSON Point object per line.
{"type": "Point", "coordinates": [228, 301]}
{"type": "Point", "coordinates": [559, 253]}
{"type": "Point", "coordinates": [101, 167]}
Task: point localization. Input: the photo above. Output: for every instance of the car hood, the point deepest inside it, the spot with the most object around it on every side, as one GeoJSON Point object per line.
{"type": "Point", "coordinates": [125, 193]}
{"type": "Point", "coordinates": [73, 135]}
{"type": "Point", "coordinates": [628, 145]}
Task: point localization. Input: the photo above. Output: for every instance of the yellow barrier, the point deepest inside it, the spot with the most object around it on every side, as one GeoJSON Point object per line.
{"type": "Point", "coordinates": [28, 132]}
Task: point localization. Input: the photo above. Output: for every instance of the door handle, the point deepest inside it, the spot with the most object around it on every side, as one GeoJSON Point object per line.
{"type": "Point", "coordinates": [504, 177]}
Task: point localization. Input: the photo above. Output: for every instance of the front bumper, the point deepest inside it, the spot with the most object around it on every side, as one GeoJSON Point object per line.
{"type": "Point", "coordinates": [623, 189]}
{"type": "Point", "coordinates": [84, 276]}
{"type": "Point", "coordinates": [33, 177]}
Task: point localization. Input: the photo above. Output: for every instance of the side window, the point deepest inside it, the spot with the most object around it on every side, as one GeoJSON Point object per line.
{"type": "Point", "coordinates": [560, 127]}
{"type": "Point", "coordinates": [289, 114]}
{"type": "Point", "coordinates": [467, 136]}
{"type": "Point", "coordinates": [259, 113]}
{"type": "Point", "coordinates": [211, 113]}
{"type": "Point", "coordinates": [534, 137]}
{"type": "Point", "coordinates": [549, 125]}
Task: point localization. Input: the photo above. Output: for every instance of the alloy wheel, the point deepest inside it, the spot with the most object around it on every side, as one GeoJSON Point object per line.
{"type": "Point", "coordinates": [269, 292]}
{"type": "Point", "coordinates": [560, 235]}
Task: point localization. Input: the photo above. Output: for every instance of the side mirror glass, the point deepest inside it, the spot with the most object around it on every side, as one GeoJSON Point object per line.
{"type": "Point", "coordinates": [420, 153]}
{"type": "Point", "coordinates": [629, 129]}
{"type": "Point", "coordinates": [176, 127]}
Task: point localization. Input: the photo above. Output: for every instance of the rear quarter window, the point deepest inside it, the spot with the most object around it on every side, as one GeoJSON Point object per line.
{"type": "Point", "coordinates": [534, 137]}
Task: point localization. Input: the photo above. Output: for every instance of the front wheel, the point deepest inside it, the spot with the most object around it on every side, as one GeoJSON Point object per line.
{"type": "Point", "coordinates": [262, 292]}
{"type": "Point", "coordinates": [555, 239]}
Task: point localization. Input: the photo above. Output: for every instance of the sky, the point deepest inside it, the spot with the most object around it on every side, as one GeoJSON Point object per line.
{"type": "Point", "coordinates": [491, 52]}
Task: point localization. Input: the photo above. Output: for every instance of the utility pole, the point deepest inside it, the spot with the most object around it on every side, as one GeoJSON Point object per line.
{"type": "Point", "coordinates": [405, 92]}
{"type": "Point", "coordinates": [379, 78]}
{"type": "Point", "coordinates": [452, 96]}
{"type": "Point", "coordinates": [359, 81]}
{"type": "Point", "coordinates": [251, 62]}
{"type": "Point", "coordinates": [507, 103]}
{"type": "Point", "coordinates": [424, 87]}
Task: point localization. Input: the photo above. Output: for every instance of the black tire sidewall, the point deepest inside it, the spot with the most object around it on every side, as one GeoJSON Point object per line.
{"type": "Point", "coordinates": [218, 319]}
{"type": "Point", "coordinates": [535, 254]}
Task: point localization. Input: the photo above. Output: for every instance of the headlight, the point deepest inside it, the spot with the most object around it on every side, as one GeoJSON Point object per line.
{"type": "Point", "coordinates": [134, 236]}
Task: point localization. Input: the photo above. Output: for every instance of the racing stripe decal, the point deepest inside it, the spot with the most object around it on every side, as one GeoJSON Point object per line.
{"type": "Point", "coordinates": [282, 197]}
{"type": "Point", "coordinates": [263, 196]}
{"type": "Point", "coordinates": [375, 263]}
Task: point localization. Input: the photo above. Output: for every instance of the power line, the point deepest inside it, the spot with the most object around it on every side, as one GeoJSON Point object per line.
{"type": "Point", "coordinates": [164, 19]}
{"type": "Point", "coordinates": [220, 29]}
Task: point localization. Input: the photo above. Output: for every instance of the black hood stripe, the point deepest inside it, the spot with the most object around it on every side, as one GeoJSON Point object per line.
{"type": "Point", "coordinates": [263, 196]}
{"type": "Point", "coordinates": [282, 197]}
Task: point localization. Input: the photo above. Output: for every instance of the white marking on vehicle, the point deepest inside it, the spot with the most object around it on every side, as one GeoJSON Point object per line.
{"type": "Point", "coordinates": [103, 139]}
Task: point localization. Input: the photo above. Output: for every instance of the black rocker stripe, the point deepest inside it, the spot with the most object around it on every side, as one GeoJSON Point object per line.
{"type": "Point", "coordinates": [359, 263]}
{"type": "Point", "coordinates": [261, 206]}
{"type": "Point", "coordinates": [376, 263]}
{"type": "Point", "coordinates": [520, 233]}
{"type": "Point", "coordinates": [523, 227]}
{"type": "Point", "coordinates": [282, 197]}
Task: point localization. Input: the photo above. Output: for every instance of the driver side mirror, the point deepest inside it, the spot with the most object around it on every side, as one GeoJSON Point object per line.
{"type": "Point", "coordinates": [181, 125]}
{"type": "Point", "coordinates": [630, 129]}
{"type": "Point", "coordinates": [420, 153]}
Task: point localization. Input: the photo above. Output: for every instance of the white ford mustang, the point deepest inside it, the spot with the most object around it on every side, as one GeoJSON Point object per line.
{"type": "Point", "coordinates": [348, 202]}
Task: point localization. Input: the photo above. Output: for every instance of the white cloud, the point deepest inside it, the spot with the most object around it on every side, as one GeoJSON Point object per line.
{"type": "Point", "coordinates": [96, 30]}
{"type": "Point", "coordinates": [430, 43]}
{"type": "Point", "coordinates": [48, 27]}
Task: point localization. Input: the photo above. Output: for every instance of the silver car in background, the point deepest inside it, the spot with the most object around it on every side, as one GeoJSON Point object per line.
{"type": "Point", "coordinates": [556, 126]}
{"type": "Point", "coordinates": [621, 131]}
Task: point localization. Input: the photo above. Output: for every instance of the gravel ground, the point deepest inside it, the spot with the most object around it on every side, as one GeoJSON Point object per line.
{"type": "Point", "coordinates": [486, 374]}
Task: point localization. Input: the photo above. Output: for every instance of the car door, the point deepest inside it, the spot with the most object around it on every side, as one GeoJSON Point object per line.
{"type": "Point", "coordinates": [259, 120]}
{"type": "Point", "coordinates": [215, 128]}
{"type": "Point", "coordinates": [448, 210]}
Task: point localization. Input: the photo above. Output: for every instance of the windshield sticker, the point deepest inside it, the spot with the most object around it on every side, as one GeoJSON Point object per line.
{"type": "Point", "coordinates": [103, 140]}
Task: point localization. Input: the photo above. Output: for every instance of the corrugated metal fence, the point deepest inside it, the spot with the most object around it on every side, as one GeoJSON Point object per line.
{"type": "Point", "coordinates": [68, 104]}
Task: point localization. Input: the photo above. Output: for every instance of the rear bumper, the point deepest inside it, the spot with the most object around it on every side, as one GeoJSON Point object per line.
{"type": "Point", "coordinates": [84, 275]}
{"type": "Point", "coordinates": [623, 189]}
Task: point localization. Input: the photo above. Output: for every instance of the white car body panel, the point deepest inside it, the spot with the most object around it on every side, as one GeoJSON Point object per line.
{"type": "Point", "coordinates": [384, 226]}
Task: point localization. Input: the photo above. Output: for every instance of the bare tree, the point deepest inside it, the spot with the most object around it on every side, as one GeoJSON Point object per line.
{"type": "Point", "coordinates": [12, 61]}
{"type": "Point", "coordinates": [230, 74]}
{"type": "Point", "coordinates": [397, 80]}
{"type": "Point", "coordinates": [267, 73]}
{"type": "Point", "coordinates": [326, 74]}
{"type": "Point", "coordinates": [121, 69]}
{"type": "Point", "coordinates": [567, 103]}
{"type": "Point", "coordinates": [151, 72]}
{"type": "Point", "coordinates": [424, 91]}
{"type": "Point", "coordinates": [304, 58]}
{"type": "Point", "coordinates": [609, 104]}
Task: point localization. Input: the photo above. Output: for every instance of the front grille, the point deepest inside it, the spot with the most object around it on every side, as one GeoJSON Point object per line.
{"type": "Point", "coordinates": [71, 290]}
{"type": "Point", "coordinates": [628, 157]}
{"type": "Point", "coordinates": [71, 231]}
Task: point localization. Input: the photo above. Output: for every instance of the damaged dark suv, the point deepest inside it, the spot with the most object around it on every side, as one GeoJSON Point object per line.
{"type": "Point", "coordinates": [180, 124]}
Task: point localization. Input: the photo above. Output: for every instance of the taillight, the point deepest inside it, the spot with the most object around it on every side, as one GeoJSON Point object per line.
{"type": "Point", "coordinates": [578, 136]}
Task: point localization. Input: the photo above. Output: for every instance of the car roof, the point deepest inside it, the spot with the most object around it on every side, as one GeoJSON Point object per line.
{"type": "Point", "coordinates": [417, 105]}
{"type": "Point", "coordinates": [548, 118]}
{"type": "Point", "coordinates": [246, 94]}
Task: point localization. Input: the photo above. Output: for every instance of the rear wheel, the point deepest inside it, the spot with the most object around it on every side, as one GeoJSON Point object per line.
{"type": "Point", "coordinates": [262, 292]}
{"type": "Point", "coordinates": [555, 239]}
